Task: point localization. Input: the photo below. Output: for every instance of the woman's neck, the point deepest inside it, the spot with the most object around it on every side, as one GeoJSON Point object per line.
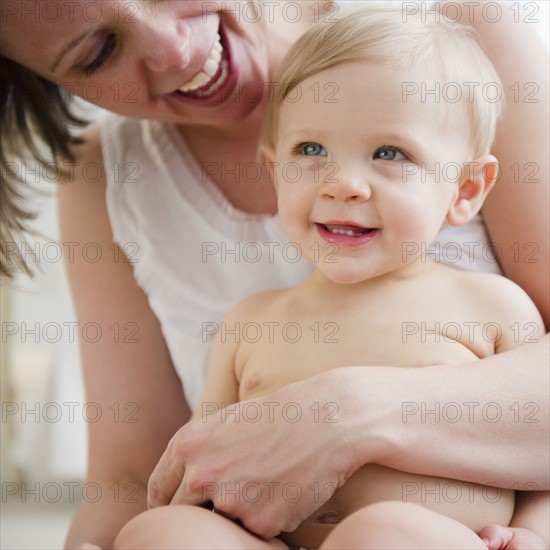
{"type": "Point", "coordinates": [229, 157]}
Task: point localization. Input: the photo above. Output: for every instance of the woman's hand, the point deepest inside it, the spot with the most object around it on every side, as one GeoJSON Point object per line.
{"type": "Point", "coordinates": [269, 462]}
{"type": "Point", "coordinates": [497, 537]}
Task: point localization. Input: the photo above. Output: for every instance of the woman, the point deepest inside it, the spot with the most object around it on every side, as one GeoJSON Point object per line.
{"type": "Point", "coordinates": [145, 60]}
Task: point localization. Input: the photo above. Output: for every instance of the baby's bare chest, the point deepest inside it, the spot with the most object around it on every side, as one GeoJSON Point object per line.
{"type": "Point", "coordinates": [277, 350]}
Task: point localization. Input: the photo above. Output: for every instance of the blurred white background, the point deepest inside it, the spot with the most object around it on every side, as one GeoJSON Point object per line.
{"type": "Point", "coordinates": [43, 443]}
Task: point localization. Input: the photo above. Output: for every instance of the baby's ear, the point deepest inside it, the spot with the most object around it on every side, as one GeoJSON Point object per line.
{"type": "Point", "coordinates": [267, 154]}
{"type": "Point", "coordinates": [477, 180]}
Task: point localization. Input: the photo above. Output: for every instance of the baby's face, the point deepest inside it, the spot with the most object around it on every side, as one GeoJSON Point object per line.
{"type": "Point", "coordinates": [363, 170]}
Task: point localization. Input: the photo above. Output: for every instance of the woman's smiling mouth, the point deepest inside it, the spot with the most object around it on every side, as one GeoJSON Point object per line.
{"type": "Point", "coordinates": [212, 75]}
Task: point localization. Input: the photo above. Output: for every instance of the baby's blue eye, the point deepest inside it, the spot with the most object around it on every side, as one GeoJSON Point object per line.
{"type": "Point", "coordinates": [389, 153]}
{"type": "Point", "coordinates": [313, 149]}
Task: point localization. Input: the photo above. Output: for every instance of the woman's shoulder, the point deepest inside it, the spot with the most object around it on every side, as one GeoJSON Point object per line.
{"type": "Point", "coordinates": [81, 194]}
{"type": "Point", "coordinates": [89, 148]}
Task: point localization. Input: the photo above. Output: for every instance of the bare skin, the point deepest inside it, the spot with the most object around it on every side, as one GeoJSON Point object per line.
{"type": "Point", "coordinates": [373, 429]}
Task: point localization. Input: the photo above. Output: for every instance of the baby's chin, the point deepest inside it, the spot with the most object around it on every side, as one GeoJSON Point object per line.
{"type": "Point", "coordinates": [346, 276]}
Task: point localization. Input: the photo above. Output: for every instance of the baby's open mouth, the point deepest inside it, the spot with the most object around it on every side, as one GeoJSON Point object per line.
{"type": "Point", "coordinates": [212, 75]}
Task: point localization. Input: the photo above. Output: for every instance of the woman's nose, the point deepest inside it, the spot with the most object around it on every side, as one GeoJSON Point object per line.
{"type": "Point", "coordinates": [167, 47]}
{"type": "Point", "coordinates": [346, 186]}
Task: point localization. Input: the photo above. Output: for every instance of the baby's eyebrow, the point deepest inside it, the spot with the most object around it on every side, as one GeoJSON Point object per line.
{"type": "Point", "coordinates": [402, 137]}
{"type": "Point", "coordinates": [305, 132]}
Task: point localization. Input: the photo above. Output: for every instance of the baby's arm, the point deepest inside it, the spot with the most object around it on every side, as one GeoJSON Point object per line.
{"type": "Point", "coordinates": [513, 312]}
{"type": "Point", "coordinates": [221, 387]}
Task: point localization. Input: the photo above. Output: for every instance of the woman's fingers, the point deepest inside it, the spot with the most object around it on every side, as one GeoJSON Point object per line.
{"type": "Point", "coordinates": [168, 473]}
{"type": "Point", "coordinates": [241, 463]}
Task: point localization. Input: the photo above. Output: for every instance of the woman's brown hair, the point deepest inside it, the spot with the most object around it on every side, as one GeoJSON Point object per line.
{"type": "Point", "coordinates": [33, 111]}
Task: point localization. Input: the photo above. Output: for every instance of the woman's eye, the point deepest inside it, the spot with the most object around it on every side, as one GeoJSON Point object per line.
{"type": "Point", "coordinates": [389, 153]}
{"type": "Point", "coordinates": [106, 50]}
{"type": "Point", "coordinates": [311, 149]}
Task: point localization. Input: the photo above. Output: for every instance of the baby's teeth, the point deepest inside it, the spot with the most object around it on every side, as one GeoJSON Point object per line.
{"type": "Point", "coordinates": [347, 232]}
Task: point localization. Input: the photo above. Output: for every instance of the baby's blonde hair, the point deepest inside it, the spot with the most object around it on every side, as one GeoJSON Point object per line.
{"type": "Point", "coordinates": [385, 34]}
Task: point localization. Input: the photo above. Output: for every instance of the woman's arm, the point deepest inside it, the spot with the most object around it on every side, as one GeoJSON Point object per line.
{"type": "Point", "coordinates": [134, 378]}
{"type": "Point", "coordinates": [516, 210]}
{"type": "Point", "coordinates": [221, 390]}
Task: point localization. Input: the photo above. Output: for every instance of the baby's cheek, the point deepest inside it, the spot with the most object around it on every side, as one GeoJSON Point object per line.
{"type": "Point", "coordinates": [415, 221]}
{"type": "Point", "coordinates": [293, 218]}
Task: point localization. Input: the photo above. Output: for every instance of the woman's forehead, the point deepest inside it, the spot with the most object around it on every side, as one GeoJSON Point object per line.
{"type": "Point", "coordinates": [33, 30]}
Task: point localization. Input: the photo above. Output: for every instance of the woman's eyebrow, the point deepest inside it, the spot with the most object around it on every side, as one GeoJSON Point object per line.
{"type": "Point", "coordinates": [72, 44]}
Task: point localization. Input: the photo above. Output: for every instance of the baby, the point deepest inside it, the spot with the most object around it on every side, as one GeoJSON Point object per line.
{"type": "Point", "coordinates": [368, 168]}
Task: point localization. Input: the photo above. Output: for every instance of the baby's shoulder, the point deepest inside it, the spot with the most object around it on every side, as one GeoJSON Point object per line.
{"type": "Point", "coordinates": [483, 285]}
{"type": "Point", "coordinates": [258, 305]}
{"type": "Point", "coordinates": [493, 293]}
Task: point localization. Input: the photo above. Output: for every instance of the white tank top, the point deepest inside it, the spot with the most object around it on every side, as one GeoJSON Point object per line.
{"type": "Point", "coordinates": [194, 254]}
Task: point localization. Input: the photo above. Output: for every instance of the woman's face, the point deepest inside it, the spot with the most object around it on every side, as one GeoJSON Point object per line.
{"type": "Point", "coordinates": [147, 58]}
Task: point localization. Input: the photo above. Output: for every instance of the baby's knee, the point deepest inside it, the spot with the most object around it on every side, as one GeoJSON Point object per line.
{"type": "Point", "coordinates": [162, 527]}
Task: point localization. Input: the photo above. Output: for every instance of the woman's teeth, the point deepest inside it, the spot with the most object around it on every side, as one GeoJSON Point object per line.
{"type": "Point", "coordinates": [211, 68]}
